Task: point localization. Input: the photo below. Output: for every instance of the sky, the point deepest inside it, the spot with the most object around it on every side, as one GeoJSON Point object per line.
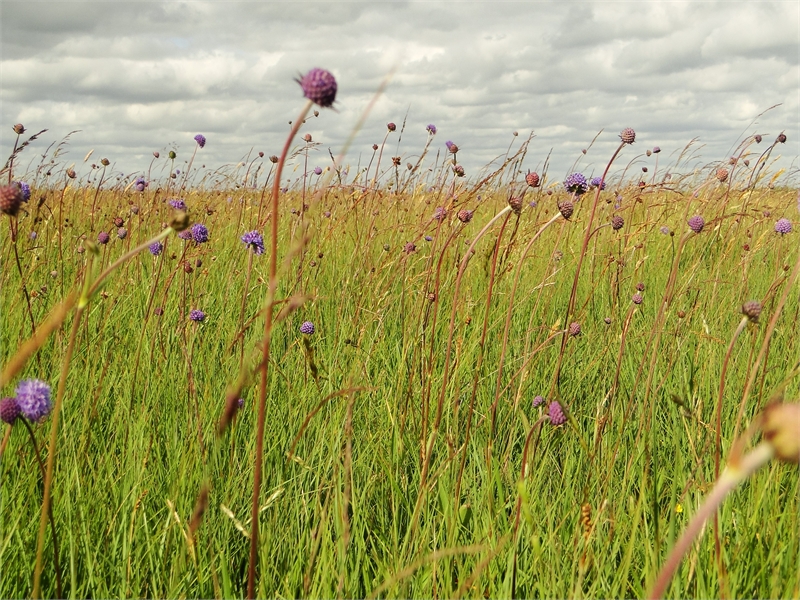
{"type": "Point", "coordinates": [136, 77]}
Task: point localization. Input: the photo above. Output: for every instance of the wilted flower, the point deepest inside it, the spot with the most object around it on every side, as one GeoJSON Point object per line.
{"type": "Point", "coordinates": [197, 315]}
{"type": "Point", "coordinates": [752, 310]}
{"type": "Point", "coordinates": [757, 137]}
{"type": "Point", "coordinates": [33, 398]}
{"type": "Point", "coordinates": [459, 171]}
{"type": "Point", "coordinates": [637, 298]}
{"type": "Point", "coordinates": [783, 226]}
{"type": "Point", "coordinates": [574, 329]}
{"type": "Point", "coordinates": [199, 233]}
{"type": "Point", "coordinates": [122, 233]}
{"type": "Point", "coordinates": [307, 328]}
{"type": "Point", "coordinates": [254, 241]}
{"type": "Point", "coordinates": [575, 183]}
{"type": "Point", "coordinates": [566, 208]}
{"type": "Point", "coordinates": [10, 199]}
{"type": "Point", "coordinates": [722, 174]}
{"type": "Point", "coordinates": [409, 248]}
{"type": "Point", "coordinates": [628, 135]}
{"type": "Point", "coordinates": [156, 248]}
{"type": "Point", "coordinates": [465, 216]}
{"type": "Point", "coordinates": [440, 213]}
{"type": "Point", "coordinates": [781, 138]}
{"type": "Point", "coordinates": [319, 86]}
{"type": "Point", "coordinates": [696, 223]}
{"type": "Point", "coordinates": [617, 222]}
{"type": "Point", "coordinates": [391, 126]}
{"type": "Point", "coordinates": [185, 235]}
{"type": "Point", "coordinates": [19, 129]}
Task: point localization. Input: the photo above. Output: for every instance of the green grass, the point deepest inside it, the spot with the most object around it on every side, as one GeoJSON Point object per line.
{"type": "Point", "coordinates": [131, 448]}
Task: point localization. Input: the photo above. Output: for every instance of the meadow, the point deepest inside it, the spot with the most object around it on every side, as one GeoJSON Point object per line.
{"type": "Point", "coordinates": [486, 385]}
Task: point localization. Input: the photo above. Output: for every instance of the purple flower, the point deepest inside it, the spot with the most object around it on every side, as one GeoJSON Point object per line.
{"type": "Point", "coordinates": [198, 316]}
{"type": "Point", "coordinates": [240, 402]}
{"type": "Point", "coordinates": [9, 410]}
{"type": "Point", "coordinates": [156, 248]}
{"type": "Point", "coordinates": [178, 204]}
{"type": "Point", "coordinates": [254, 241]}
{"type": "Point", "coordinates": [696, 223]}
{"type": "Point", "coordinates": [439, 213]}
{"type": "Point", "coordinates": [103, 237]}
{"type": "Point", "coordinates": [185, 235]}
{"type": "Point", "coordinates": [200, 139]}
{"type": "Point", "coordinates": [783, 226]}
{"type": "Point", "coordinates": [576, 184]}
{"type": "Point", "coordinates": [598, 182]}
{"type": "Point", "coordinates": [557, 416]}
{"type": "Point", "coordinates": [25, 189]}
{"type": "Point", "coordinates": [431, 128]}
{"type": "Point", "coordinates": [664, 230]}
{"type": "Point", "coordinates": [307, 328]}
{"type": "Point", "coordinates": [656, 149]}
{"type": "Point", "coordinates": [33, 397]}
{"type": "Point", "coordinates": [140, 184]}
{"type": "Point", "coordinates": [319, 86]}
{"type": "Point", "coordinates": [449, 144]}
{"type": "Point", "coordinates": [317, 170]}
{"type": "Point", "coordinates": [428, 238]}
{"type": "Point", "coordinates": [122, 233]}
{"type": "Point", "coordinates": [574, 329]}
{"type": "Point", "coordinates": [199, 233]}
{"type": "Point", "coordinates": [410, 247]}
{"type": "Point", "coordinates": [538, 401]}
{"type": "Point", "coordinates": [33, 235]}
{"type": "Point", "coordinates": [637, 298]}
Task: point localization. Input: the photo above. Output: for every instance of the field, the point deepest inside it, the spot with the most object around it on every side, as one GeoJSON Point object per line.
{"type": "Point", "coordinates": [493, 400]}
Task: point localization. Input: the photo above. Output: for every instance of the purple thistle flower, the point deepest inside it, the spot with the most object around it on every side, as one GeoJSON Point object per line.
{"type": "Point", "coordinates": [103, 237]}
{"type": "Point", "coordinates": [140, 184]}
{"type": "Point", "coordinates": [199, 233]}
{"type": "Point", "coordinates": [33, 398]}
{"type": "Point", "coordinates": [156, 248]}
{"type": "Point", "coordinates": [9, 410]}
{"type": "Point", "coordinates": [538, 401]}
{"type": "Point", "coordinates": [557, 416]}
{"type": "Point", "coordinates": [696, 223]}
{"type": "Point", "coordinates": [317, 170]}
{"type": "Point", "coordinates": [198, 316]}
{"type": "Point", "coordinates": [783, 226]}
{"type": "Point", "coordinates": [200, 139]}
{"type": "Point", "coordinates": [637, 298]}
{"type": "Point", "coordinates": [597, 182]}
{"type": "Point", "coordinates": [576, 184]}
{"type": "Point", "coordinates": [307, 328]}
{"type": "Point", "coordinates": [122, 233]}
{"type": "Point", "coordinates": [319, 86]}
{"type": "Point", "coordinates": [431, 128]}
{"type": "Point", "coordinates": [254, 241]}
{"type": "Point", "coordinates": [185, 235]}
{"type": "Point", "coordinates": [25, 189]}
{"type": "Point", "coordinates": [178, 204]}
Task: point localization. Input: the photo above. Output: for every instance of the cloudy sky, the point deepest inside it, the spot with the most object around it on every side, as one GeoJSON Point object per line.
{"type": "Point", "coordinates": [135, 77]}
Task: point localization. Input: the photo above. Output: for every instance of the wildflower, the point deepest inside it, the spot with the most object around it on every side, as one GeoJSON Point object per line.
{"type": "Point", "coordinates": [637, 298]}
{"type": "Point", "coordinates": [781, 138]}
{"type": "Point", "coordinates": [198, 316]}
{"type": "Point", "coordinates": [319, 86]}
{"type": "Point", "coordinates": [459, 171]}
{"type": "Point", "coordinates": [307, 137]}
{"type": "Point", "coordinates": [156, 248]}
{"type": "Point", "coordinates": [656, 149]}
{"type": "Point", "coordinates": [431, 128]}
{"type": "Point", "coordinates": [307, 328]}
{"type": "Point", "coordinates": [10, 199]}
{"type": "Point", "coordinates": [451, 147]}
{"type": "Point", "coordinates": [556, 413]}
{"type": "Point", "coordinates": [185, 235]}
{"type": "Point", "coordinates": [538, 401]}
{"type": "Point", "coordinates": [254, 241]}
{"type": "Point", "coordinates": [617, 222]}
{"type": "Point", "coordinates": [465, 216]}
{"type": "Point", "coordinates": [199, 233]}
{"type": "Point", "coordinates": [566, 208]}
{"type": "Point", "coordinates": [640, 287]}
{"type": "Point", "coordinates": [25, 189]}
{"type": "Point", "coordinates": [19, 129]}
{"type": "Point", "coordinates": [696, 223]}
{"type": "Point", "coordinates": [178, 204]}
{"type": "Point", "coordinates": [628, 135]}
{"type": "Point", "coordinates": [9, 410]}
{"type": "Point", "coordinates": [122, 233]}
{"type": "Point", "coordinates": [103, 237]}
{"type": "Point", "coordinates": [783, 226]}
{"type": "Point", "coordinates": [134, 210]}
{"type": "Point", "coordinates": [574, 329]}
{"type": "Point", "coordinates": [391, 126]}
{"type": "Point", "coordinates": [532, 179]}
{"type": "Point", "coordinates": [722, 174]}
{"type": "Point", "coordinates": [576, 184]}
{"type": "Point", "coordinates": [515, 202]}
{"type": "Point", "coordinates": [409, 248]}
{"type": "Point", "coordinates": [140, 184]}
{"type": "Point", "coordinates": [598, 182]}
{"type": "Point", "coordinates": [33, 398]}
{"type": "Point", "coordinates": [664, 230]}
{"type": "Point", "coordinates": [71, 173]}
{"type": "Point", "coordinates": [317, 170]}
{"type": "Point", "coordinates": [428, 238]}
{"type": "Point", "coordinates": [200, 139]}
{"type": "Point", "coordinates": [752, 310]}
{"type": "Point", "coordinates": [440, 213]}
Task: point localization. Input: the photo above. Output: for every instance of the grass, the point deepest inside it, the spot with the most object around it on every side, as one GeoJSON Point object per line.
{"type": "Point", "coordinates": [344, 511]}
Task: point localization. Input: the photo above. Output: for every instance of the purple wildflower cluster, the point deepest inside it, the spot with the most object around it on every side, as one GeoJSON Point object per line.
{"type": "Point", "coordinates": [254, 241]}
{"type": "Point", "coordinates": [196, 315]}
{"type": "Point", "coordinates": [307, 328]}
{"type": "Point", "coordinates": [178, 204]}
{"type": "Point", "coordinates": [783, 226]}
{"type": "Point", "coordinates": [199, 233]}
{"type": "Point", "coordinates": [576, 183]}
{"type": "Point", "coordinates": [319, 86]}
{"type": "Point", "coordinates": [32, 401]}
{"type": "Point", "coordinates": [200, 139]}
{"type": "Point", "coordinates": [597, 182]}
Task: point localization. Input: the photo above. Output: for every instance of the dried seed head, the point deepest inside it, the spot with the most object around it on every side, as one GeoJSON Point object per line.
{"type": "Point", "coordinates": [459, 171]}
{"type": "Point", "coordinates": [532, 179]}
{"type": "Point", "coordinates": [464, 215]}
{"type": "Point", "coordinates": [391, 126]}
{"type": "Point", "coordinates": [722, 174]}
{"type": "Point", "coordinates": [273, 159]}
{"type": "Point", "coordinates": [515, 202]}
{"type": "Point", "coordinates": [637, 298]}
{"type": "Point", "coordinates": [105, 162]}
{"type": "Point", "coordinates": [410, 247]}
{"type": "Point", "coordinates": [781, 427]}
{"type": "Point", "coordinates": [172, 155]}
{"type": "Point", "coordinates": [566, 208]}
{"type": "Point", "coordinates": [628, 135]}
{"type": "Point", "coordinates": [696, 223]}
{"type": "Point", "coordinates": [9, 410]}
{"type": "Point", "coordinates": [19, 129]}
{"type": "Point", "coordinates": [574, 329]}
{"type": "Point", "coordinates": [781, 138]}
{"type": "Point", "coordinates": [757, 137]}
{"type": "Point", "coordinates": [307, 137]}
{"type": "Point", "coordinates": [752, 310]}
{"type": "Point", "coordinates": [617, 222]}
{"type": "Point", "coordinates": [10, 199]}
{"type": "Point", "coordinates": [71, 173]}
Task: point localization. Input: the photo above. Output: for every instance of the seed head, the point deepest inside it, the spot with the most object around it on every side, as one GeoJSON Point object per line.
{"type": "Point", "coordinates": [198, 316]}
{"type": "Point", "coordinates": [617, 222]}
{"type": "Point", "coordinates": [307, 328]}
{"type": "Point", "coordinates": [459, 171]}
{"type": "Point", "coordinates": [532, 179]}
{"type": "Point", "coordinates": [10, 199]}
{"type": "Point", "coordinates": [103, 237]}
{"type": "Point", "coordinates": [33, 398]}
{"type": "Point", "coordinates": [722, 174]}
{"type": "Point", "coordinates": [515, 202]}
{"type": "Point", "coordinates": [649, 153]}
{"type": "Point", "coordinates": [391, 126]}
{"type": "Point", "coordinates": [273, 159]}
{"type": "Point", "coordinates": [628, 135]}
{"type": "Point", "coordinates": [757, 137]}
{"type": "Point", "coordinates": [374, 147]}
{"type": "Point", "coordinates": [752, 310]}
{"type": "Point", "coordinates": [122, 233]}
{"type": "Point", "coordinates": [464, 215]}
{"type": "Point", "coordinates": [566, 208]}
{"type": "Point", "coordinates": [71, 173]}
{"type": "Point", "coordinates": [575, 183]}
{"type": "Point", "coordinates": [574, 329]}
{"type": "Point", "coordinates": [637, 298]}
{"type": "Point", "coordinates": [254, 241]}
{"type": "Point", "coordinates": [781, 138]}
{"type": "Point", "coordinates": [409, 248]}
{"type": "Point", "coordinates": [783, 226]}
{"type": "Point", "coordinates": [19, 129]}
{"type": "Point", "coordinates": [319, 86]}
{"type": "Point", "coordinates": [656, 149]}
{"type": "Point", "coordinates": [640, 287]}
{"type": "Point", "coordinates": [439, 214]}
{"type": "Point", "coordinates": [451, 147]}
{"type": "Point", "coordinates": [781, 427]}
{"type": "Point", "coordinates": [696, 223]}
{"type": "Point", "coordinates": [118, 221]}
{"type": "Point", "coordinates": [538, 401]}
{"type": "Point", "coordinates": [9, 410]}
{"type": "Point", "coordinates": [556, 413]}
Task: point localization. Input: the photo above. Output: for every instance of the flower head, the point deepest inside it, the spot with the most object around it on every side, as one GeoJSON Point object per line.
{"type": "Point", "coordinates": [556, 413]}
{"type": "Point", "coordinates": [254, 241]}
{"type": "Point", "coordinates": [307, 328]}
{"type": "Point", "coordinates": [440, 213]}
{"type": "Point", "coordinates": [140, 184]}
{"type": "Point", "coordinates": [10, 199]}
{"type": "Point", "coordinates": [627, 135]}
{"type": "Point", "coordinates": [464, 215]}
{"type": "Point", "coordinates": [391, 126]}
{"type": "Point", "coordinates": [156, 248]}
{"type": "Point", "coordinates": [752, 310]}
{"type": "Point", "coordinates": [317, 170]}
{"type": "Point", "coordinates": [410, 247]}
{"type": "Point", "coordinates": [722, 174]}
{"type": "Point", "coordinates": [538, 401]}
{"type": "Point", "coordinates": [178, 204]}
{"type": "Point", "coordinates": [197, 315]}
{"type": "Point", "coordinates": [9, 410]}
{"type": "Point", "coordinates": [319, 86]}
{"type": "Point", "coordinates": [532, 179]}
{"type": "Point", "coordinates": [574, 329]}
{"type": "Point", "coordinates": [185, 235]}
{"type": "Point", "coordinates": [122, 233]}
{"type": "Point", "coordinates": [33, 398]}
{"type": "Point", "coordinates": [656, 149]}
{"type": "Point", "coordinates": [637, 298]}
{"type": "Point", "coordinates": [598, 182]}
{"type": "Point", "coordinates": [199, 233]}
{"type": "Point", "coordinates": [664, 230]}
{"type": "Point", "coordinates": [575, 183]}
{"type": "Point", "coordinates": [103, 237]}
{"type": "Point", "coordinates": [25, 189]}
{"type": "Point", "coordinates": [431, 128]}
{"type": "Point", "coordinates": [617, 222]}
{"type": "Point", "coordinates": [696, 223]}
{"type": "Point", "coordinates": [783, 226]}
{"type": "Point", "coordinates": [200, 139]}
{"type": "Point", "coordinates": [566, 208]}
